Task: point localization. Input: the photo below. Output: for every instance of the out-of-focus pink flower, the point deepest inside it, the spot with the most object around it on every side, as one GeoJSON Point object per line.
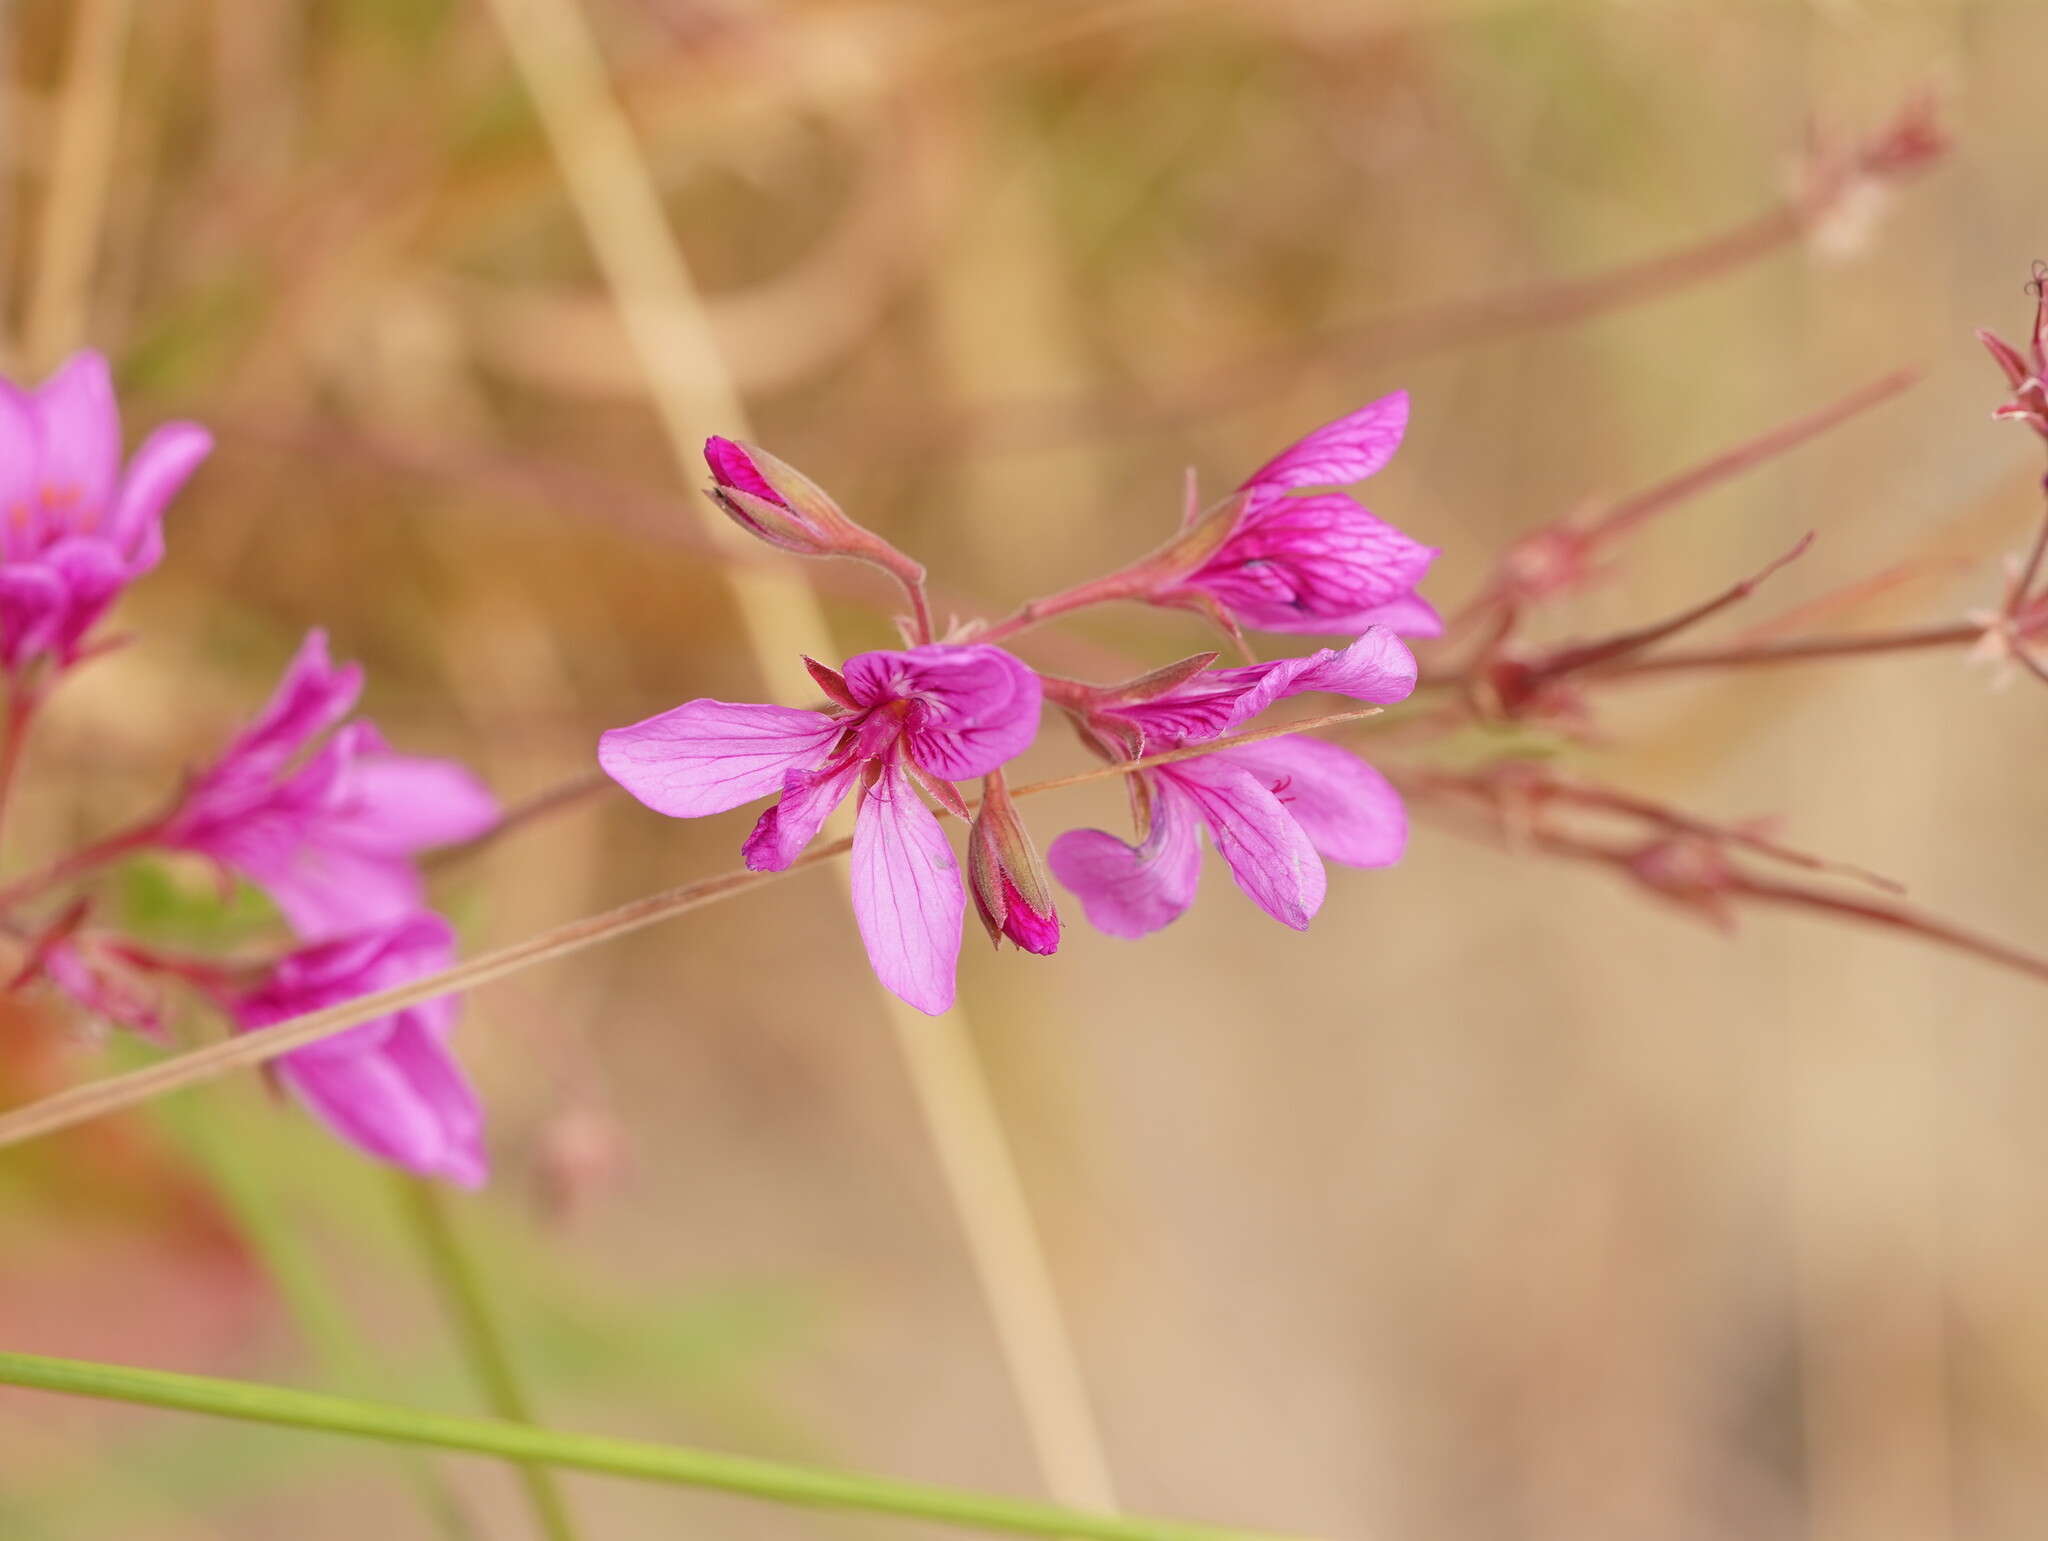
{"type": "Point", "coordinates": [1320, 562]}
{"type": "Point", "coordinates": [75, 529]}
{"type": "Point", "coordinates": [328, 828]}
{"type": "Point", "coordinates": [925, 717]}
{"type": "Point", "coordinates": [1274, 809]}
{"type": "Point", "coordinates": [389, 1087]}
{"type": "Point", "coordinates": [2026, 373]}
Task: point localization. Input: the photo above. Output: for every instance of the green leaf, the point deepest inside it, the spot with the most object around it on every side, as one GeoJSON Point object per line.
{"type": "Point", "coordinates": [774, 1481]}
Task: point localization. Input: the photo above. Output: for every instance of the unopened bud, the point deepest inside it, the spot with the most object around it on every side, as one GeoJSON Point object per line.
{"type": "Point", "coordinates": [1007, 878]}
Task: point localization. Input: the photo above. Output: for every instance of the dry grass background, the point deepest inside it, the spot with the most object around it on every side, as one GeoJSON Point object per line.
{"type": "Point", "coordinates": [1503, 1204]}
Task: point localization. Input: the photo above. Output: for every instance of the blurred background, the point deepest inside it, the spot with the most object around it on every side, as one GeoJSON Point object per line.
{"type": "Point", "coordinates": [1504, 1203]}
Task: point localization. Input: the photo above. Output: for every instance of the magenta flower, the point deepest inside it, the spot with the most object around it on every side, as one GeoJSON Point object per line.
{"type": "Point", "coordinates": [1274, 809]}
{"type": "Point", "coordinates": [926, 717]}
{"type": "Point", "coordinates": [1321, 562]}
{"type": "Point", "coordinates": [328, 829]}
{"type": "Point", "coordinates": [389, 1087]}
{"type": "Point", "coordinates": [75, 529]}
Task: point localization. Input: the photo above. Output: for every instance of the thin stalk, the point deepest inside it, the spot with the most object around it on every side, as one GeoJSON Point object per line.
{"type": "Point", "coordinates": [618, 202]}
{"type": "Point", "coordinates": [466, 1300]}
{"type": "Point", "coordinates": [676, 1464]}
{"type": "Point", "coordinates": [97, 1098]}
{"type": "Point", "coordinates": [78, 863]}
{"type": "Point", "coordinates": [2023, 579]}
{"type": "Point", "coordinates": [81, 165]}
{"type": "Point", "coordinates": [21, 710]}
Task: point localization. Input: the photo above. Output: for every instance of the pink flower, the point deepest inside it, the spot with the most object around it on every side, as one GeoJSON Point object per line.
{"type": "Point", "coordinates": [327, 829]}
{"type": "Point", "coordinates": [389, 1087]}
{"type": "Point", "coordinates": [1274, 809]}
{"type": "Point", "coordinates": [2026, 373]}
{"type": "Point", "coordinates": [926, 717]}
{"type": "Point", "coordinates": [1322, 562]}
{"type": "Point", "coordinates": [74, 528]}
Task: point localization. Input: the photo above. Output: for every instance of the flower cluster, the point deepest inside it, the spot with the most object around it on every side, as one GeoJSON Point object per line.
{"type": "Point", "coordinates": [901, 729]}
{"type": "Point", "coordinates": [318, 813]}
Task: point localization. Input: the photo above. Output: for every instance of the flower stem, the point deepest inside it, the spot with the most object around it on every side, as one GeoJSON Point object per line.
{"type": "Point", "coordinates": [676, 1464]}
{"type": "Point", "coordinates": [87, 859]}
{"type": "Point", "coordinates": [22, 701]}
{"type": "Point", "coordinates": [465, 1298]}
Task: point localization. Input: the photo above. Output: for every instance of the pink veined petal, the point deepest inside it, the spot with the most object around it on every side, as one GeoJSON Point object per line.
{"type": "Point", "coordinates": [21, 467]}
{"type": "Point", "coordinates": [732, 466]}
{"type": "Point", "coordinates": [155, 473]}
{"type": "Point", "coordinates": [1132, 891]}
{"type": "Point", "coordinates": [1268, 853]}
{"type": "Point", "coordinates": [1348, 810]}
{"type": "Point", "coordinates": [1307, 563]}
{"type": "Point", "coordinates": [907, 895]}
{"type": "Point", "coordinates": [32, 603]}
{"type": "Point", "coordinates": [707, 756]}
{"type": "Point", "coordinates": [1409, 616]}
{"type": "Point", "coordinates": [808, 798]}
{"type": "Point", "coordinates": [971, 707]}
{"type": "Point", "coordinates": [400, 803]}
{"type": "Point", "coordinates": [1336, 454]}
{"type": "Point", "coordinates": [81, 433]}
{"type": "Point", "coordinates": [1377, 668]}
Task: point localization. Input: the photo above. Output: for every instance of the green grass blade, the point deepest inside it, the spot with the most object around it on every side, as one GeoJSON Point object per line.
{"type": "Point", "coordinates": [769, 1480]}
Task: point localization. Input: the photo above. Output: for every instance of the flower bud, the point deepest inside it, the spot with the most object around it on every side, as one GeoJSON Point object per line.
{"type": "Point", "coordinates": [1007, 878]}
{"type": "Point", "coordinates": [775, 502]}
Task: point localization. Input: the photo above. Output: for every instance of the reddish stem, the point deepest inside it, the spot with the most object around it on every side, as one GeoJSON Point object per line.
{"type": "Point", "coordinates": [87, 859]}
{"type": "Point", "coordinates": [21, 710]}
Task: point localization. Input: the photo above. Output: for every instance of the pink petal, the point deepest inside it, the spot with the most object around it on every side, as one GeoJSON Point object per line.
{"type": "Point", "coordinates": [1409, 616]}
{"type": "Point", "coordinates": [707, 756]}
{"type": "Point", "coordinates": [312, 696]}
{"type": "Point", "coordinates": [155, 473]}
{"type": "Point", "coordinates": [372, 1100]}
{"type": "Point", "coordinates": [907, 894]}
{"type": "Point", "coordinates": [326, 889]}
{"type": "Point", "coordinates": [1348, 810]}
{"type": "Point", "coordinates": [81, 434]}
{"type": "Point", "coordinates": [1131, 891]}
{"type": "Point", "coordinates": [1337, 454]}
{"type": "Point", "coordinates": [401, 803]}
{"type": "Point", "coordinates": [436, 1078]}
{"type": "Point", "coordinates": [1267, 851]}
{"type": "Point", "coordinates": [1311, 564]}
{"type": "Point", "coordinates": [808, 798]}
{"type": "Point", "coordinates": [1377, 667]}
{"type": "Point", "coordinates": [32, 603]}
{"type": "Point", "coordinates": [732, 466]}
{"type": "Point", "coordinates": [971, 708]}
{"type": "Point", "coordinates": [93, 574]}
